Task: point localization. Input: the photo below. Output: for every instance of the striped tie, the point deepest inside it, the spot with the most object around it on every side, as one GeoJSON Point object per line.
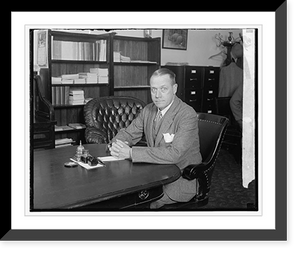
{"type": "Point", "coordinates": [157, 119]}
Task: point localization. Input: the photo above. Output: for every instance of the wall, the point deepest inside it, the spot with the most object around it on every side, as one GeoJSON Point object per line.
{"type": "Point", "coordinates": [201, 44]}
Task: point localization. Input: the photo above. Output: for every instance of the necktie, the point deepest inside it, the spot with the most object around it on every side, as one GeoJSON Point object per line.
{"type": "Point", "coordinates": [157, 119]}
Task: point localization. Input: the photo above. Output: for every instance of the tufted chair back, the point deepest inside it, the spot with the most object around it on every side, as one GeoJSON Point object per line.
{"type": "Point", "coordinates": [105, 116]}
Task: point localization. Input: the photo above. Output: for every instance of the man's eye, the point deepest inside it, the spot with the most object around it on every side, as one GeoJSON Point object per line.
{"type": "Point", "coordinates": [164, 89]}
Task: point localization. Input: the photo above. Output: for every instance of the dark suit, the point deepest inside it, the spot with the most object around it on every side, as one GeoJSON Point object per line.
{"type": "Point", "coordinates": [231, 77]}
{"type": "Point", "coordinates": [180, 120]}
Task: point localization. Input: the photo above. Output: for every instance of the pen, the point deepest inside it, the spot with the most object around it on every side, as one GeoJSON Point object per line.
{"type": "Point", "coordinates": [101, 162]}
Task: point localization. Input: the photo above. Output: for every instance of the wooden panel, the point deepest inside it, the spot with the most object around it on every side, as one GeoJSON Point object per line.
{"type": "Point", "coordinates": [136, 50]}
{"type": "Point", "coordinates": [128, 75]}
{"type": "Point", "coordinates": [142, 94]}
{"type": "Point", "coordinates": [154, 52]}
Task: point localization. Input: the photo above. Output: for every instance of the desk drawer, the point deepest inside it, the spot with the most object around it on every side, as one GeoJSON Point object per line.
{"type": "Point", "coordinates": [192, 75]}
{"type": "Point", "coordinates": [193, 71]}
{"type": "Point", "coordinates": [126, 202]}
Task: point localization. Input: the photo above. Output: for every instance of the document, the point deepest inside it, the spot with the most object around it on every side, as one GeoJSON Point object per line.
{"type": "Point", "coordinates": [109, 158]}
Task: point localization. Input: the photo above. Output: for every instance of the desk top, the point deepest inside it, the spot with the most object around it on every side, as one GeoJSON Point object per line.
{"type": "Point", "coordinates": [58, 187]}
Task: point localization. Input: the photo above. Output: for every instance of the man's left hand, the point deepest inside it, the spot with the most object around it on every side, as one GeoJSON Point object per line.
{"type": "Point", "coordinates": [120, 149]}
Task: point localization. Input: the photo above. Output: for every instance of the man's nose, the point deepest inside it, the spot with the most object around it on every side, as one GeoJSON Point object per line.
{"type": "Point", "coordinates": [158, 93]}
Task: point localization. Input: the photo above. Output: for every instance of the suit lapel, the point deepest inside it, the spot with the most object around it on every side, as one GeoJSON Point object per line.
{"type": "Point", "coordinates": [167, 121]}
{"type": "Point", "coordinates": [149, 125]}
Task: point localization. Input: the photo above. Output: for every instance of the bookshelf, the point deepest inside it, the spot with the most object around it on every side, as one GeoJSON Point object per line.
{"type": "Point", "coordinates": [73, 58]}
{"type": "Point", "coordinates": [77, 62]}
{"type": "Point", "coordinates": [135, 59]}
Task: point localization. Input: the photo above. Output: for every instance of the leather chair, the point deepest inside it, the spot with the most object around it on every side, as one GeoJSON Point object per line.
{"type": "Point", "coordinates": [105, 116]}
{"type": "Point", "coordinates": [212, 129]}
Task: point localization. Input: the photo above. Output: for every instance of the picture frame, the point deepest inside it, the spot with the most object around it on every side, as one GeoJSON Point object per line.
{"type": "Point", "coordinates": [270, 225]}
{"type": "Point", "coordinates": [175, 39]}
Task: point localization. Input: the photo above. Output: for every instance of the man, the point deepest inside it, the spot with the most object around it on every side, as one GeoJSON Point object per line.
{"type": "Point", "coordinates": [171, 130]}
{"type": "Point", "coordinates": [236, 105]}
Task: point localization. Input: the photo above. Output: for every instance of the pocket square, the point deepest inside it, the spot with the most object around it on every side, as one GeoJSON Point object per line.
{"type": "Point", "coordinates": [168, 137]}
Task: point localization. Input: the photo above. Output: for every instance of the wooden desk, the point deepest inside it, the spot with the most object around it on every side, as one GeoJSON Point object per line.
{"type": "Point", "coordinates": [117, 185]}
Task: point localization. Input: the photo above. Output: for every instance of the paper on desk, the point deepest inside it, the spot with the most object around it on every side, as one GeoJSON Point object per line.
{"type": "Point", "coordinates": [87, 166]}
{"type": "Point", "coordinates": [109, 158]}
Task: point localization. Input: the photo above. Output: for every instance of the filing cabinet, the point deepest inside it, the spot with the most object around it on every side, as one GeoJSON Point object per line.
{"type": "Point", "coordinates": [197, 85]}
{"type": "Point", "coordinates": [210, 88]}
{"type": "Point", "coordinates": [189, 80]}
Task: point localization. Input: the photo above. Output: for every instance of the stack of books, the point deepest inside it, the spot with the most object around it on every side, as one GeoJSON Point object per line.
{"type": "Point", "coordinates": [69, 78]}
{"type": "Point", "coordinates": [96, 75]}
{"type": "Point", "coordinates": [102, 74]}
{"type": "Point", "coordinates": [76, 97]}
{"type": "Point", "coordinates": [89, 78]}
{"type": "Point", "coordinates": [63, 142]}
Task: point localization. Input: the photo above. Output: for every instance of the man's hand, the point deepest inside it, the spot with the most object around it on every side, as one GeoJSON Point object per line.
{"type": "Point", "coordinates": [120, 149]}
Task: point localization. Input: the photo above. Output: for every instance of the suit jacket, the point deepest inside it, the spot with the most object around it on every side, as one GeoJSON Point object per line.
{"type": "Point", "coordinates": [231, 77]}
{"type": "Point", "coordinates": [236, 105]}
{"type": "Point", "coordinates": [180, 120]}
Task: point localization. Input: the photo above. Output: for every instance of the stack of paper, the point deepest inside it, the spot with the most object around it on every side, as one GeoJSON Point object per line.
{"type": "Point", "coordinates": [76, 97]}
{"type": "Point", "coordinates": [63, 142]}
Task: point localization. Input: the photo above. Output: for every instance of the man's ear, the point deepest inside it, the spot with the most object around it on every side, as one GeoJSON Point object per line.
{"type": "Point", "coordinates": [175, 88]}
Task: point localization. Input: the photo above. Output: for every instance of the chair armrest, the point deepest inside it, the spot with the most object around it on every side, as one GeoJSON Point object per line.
{"type": "Point", "coordinates": [203, 173]}
{"type": "Point", "coordinates": [194, 171]}
{"type": "Point", "coordinates": [95, 136]}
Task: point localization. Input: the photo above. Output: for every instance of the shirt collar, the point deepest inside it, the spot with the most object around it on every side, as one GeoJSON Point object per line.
{"type": "Point", "coordinates": [164, 111]}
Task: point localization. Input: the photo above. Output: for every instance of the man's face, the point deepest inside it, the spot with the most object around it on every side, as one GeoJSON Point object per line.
{"type": "Point", "coordinates": [162, 90]}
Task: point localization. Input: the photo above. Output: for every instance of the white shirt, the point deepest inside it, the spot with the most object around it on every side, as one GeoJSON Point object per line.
{"type": "Point", "coordinates": [164, 111]}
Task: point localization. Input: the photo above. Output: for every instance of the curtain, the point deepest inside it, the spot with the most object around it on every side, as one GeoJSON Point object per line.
{"type": "Point", "coordinates": [248, 170]}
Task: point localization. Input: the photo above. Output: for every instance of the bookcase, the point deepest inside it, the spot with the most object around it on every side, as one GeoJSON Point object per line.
{"type": "Point", "coordinates": [76, 62]}
{"type": "Point", "coordinates": [135, 59]}
{"type": "Point", "coordinates": [100, 65]}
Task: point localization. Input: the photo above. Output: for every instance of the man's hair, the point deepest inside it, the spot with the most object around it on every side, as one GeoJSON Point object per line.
{"type": "Point", "coordinates": [165, 71]}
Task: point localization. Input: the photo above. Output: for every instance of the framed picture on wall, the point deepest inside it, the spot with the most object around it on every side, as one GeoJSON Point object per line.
{"type": "Point", "coordinates": [175, 39]}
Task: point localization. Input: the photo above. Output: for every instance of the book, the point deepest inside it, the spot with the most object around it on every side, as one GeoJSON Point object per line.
{"type": "Point", "coordinates": [76, 91]}
{"type": "Point", "coordinates": [99, 71]}
{"type": "Point", "coordinates": [70, 76]}
{"type": "Point", "coordinates": [80, 81]}
{"type": "Point", "coordinates": [117, 56]}
{"type": "Point", "coordinates": [76, 125]}
{"type": "Point", "coordinates": [56, 80]}
{"type": "Point", "coordinates": [102, 79]}
{"type": "Point", "coordinates": [63, 142]}
{"type": "Point", "coordinates": [76, 96]}
{"type": "Point", "coordinates": [62, 128]}
{"type": "Point", "coordinates": [125, 58]}
{"type": "Point", "coordinates": [76, 102]}
{"type": "Point", "coordinates": [73, 50]}
{"type": "Point", "coordinates": [67, 81]}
